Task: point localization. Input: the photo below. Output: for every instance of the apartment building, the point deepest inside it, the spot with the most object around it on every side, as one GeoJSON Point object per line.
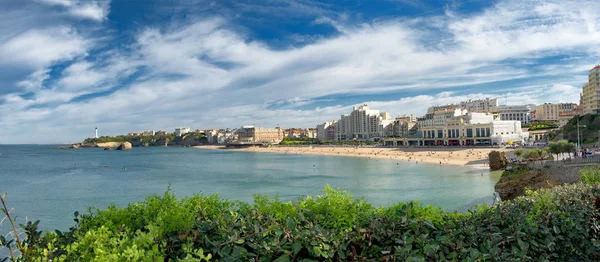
{"type": "Point", "coordinates": [551, 112]}
{"type": "Point", "coordinates": [363, 124]}
{"type": "Point", "coordinates": [591, 92]}
{"type": "Point", "coordinates": [324, 129]}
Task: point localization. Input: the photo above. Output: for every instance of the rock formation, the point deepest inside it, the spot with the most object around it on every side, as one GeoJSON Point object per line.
{"type": "Point", "coordinates": [513, 184]}
{"type": "Point", "coordinates": [124, 146]}
{"type": "Point", "coordinates": [497, 160]}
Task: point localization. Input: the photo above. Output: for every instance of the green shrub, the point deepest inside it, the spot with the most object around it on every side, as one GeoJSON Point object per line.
{"type": "Point", "coordinates": [590, 175]}
{"type": "Point", "coordinates": [558, 224]}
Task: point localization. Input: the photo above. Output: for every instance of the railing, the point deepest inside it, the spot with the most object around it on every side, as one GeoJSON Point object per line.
{"type": "Point", "coordinates": [566, 162]}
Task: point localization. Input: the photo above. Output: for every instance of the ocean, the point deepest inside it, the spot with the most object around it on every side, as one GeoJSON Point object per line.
{"type": "Point", "coordinates": [50, 184]}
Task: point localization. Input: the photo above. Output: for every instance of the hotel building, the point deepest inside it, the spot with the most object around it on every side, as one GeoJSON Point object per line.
{"type": "Point", "coordinates": [363, 124]}
{"type": "Point", "coordinates": [591, 92]}
{"type": "Point", "coordinates": [252, 134]}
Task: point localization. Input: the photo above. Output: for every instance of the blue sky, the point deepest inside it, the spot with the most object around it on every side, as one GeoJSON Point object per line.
{"type": "Point", "coordinates": [67, 66]}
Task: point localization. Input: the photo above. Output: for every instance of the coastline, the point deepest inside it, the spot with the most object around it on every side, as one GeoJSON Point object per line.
{"type": "Point", "coordinates": [456, 156]}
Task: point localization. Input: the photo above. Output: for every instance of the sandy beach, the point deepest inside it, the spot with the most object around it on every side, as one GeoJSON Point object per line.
{"type": "Point", "coordinates": [476, 157]}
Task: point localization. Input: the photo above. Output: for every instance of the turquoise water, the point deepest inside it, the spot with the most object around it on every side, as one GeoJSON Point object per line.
{"type": "Point", "coordinates": [50, 184]}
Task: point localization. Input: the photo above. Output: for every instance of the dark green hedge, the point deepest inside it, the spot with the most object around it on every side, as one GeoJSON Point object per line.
{"type": "Point", "coordinates": [559, 224]}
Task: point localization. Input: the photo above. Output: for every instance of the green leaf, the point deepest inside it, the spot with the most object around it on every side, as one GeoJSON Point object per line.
{"type": "Point", "coordinates": [240, 241]}
{"type": "Point", "coordinates": [556, 229]}
{"type": "Point", "coordinates": [291, 223]}
{"type": "Point", "coordinates": [428, 223]}
{"type": "Point", "coordinates": [296, 247]}
{"type": "Point", "coordinates": [282, 258]}
{"type": "Point", "coordinates": [523, 245]}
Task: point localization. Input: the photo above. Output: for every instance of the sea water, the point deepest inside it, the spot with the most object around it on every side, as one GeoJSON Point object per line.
{"type": "Point", "coordinates": [50, 184]}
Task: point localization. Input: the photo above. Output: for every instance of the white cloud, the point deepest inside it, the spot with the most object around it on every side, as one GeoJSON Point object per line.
{"type": "Point", "coordinates": [95, 11]}
{"type": "Point", "coordinates": [206, 74]}
{"type": "Point", "coordinates": [34, 81]}
{"type": "Point", "coordinates": [40, 48]}
{"type": "Point", "coordinates": [84, 9]}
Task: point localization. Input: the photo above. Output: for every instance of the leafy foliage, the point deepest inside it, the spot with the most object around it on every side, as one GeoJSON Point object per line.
{"type": "Point", "coordinates": [559, 224]}
{"type": "Point", "coordinates": [540, 125]}
{"type": "Point", "coordinates": [590, 175]}
{"type": "Point", "coordinates": [588, 134]}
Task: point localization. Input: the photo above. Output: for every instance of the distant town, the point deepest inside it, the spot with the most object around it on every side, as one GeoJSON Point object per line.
{"type": "Point", "coordinates": [472, 122]}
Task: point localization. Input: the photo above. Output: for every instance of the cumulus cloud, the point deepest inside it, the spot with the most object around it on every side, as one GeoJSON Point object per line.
{"type": "Point", "coordinates": [207, 74]}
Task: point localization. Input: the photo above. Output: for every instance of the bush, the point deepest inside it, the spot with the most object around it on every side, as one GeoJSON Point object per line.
{"type": "Point", "coordinates": [558, 224]}
{"type": "Point", "coordinates": [590, 175]}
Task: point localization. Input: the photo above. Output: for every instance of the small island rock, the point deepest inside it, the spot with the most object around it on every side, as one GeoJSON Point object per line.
{"type": "Point", "coordinates": [497, 160]}
{"type": "Point", "coordinates": [124, 146]}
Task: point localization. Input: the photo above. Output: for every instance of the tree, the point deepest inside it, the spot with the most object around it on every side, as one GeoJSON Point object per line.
{"type": "Point", "coordinates": [519, 153]}
{"type": "Point", "coordinates": [555, 148]}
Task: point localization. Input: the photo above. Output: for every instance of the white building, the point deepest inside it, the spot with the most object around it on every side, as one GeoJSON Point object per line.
{"type": "Point", "coordinates": [181, 131]}
{"type": "Point", "coordinates": [363, 124]}
{"type": "Point", "coordinates": [211, 136]}
{"type": "Point", "coordinates": [520, 113]}
{"type": "Point", "coordinates": [322, 130]}
{"type": "Point", "coordinates": [487, 105]}
{"type": "Point", "coordinates": [148, 132]}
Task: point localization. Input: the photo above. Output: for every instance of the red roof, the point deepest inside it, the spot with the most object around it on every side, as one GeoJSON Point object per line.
{"type": "Point", "coordinates": [597, 66]}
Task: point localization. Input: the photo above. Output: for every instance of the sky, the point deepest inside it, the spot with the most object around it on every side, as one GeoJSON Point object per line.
{"type": "Point", "coordinates": [68, 66]}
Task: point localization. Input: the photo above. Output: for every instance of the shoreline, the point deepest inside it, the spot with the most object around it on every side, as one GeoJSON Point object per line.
{"type": "Point", "coordinates": [468, 157]}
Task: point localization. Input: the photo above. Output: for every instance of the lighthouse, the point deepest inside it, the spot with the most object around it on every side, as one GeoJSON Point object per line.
{"type": "Point", "coordinates": [96, 132]}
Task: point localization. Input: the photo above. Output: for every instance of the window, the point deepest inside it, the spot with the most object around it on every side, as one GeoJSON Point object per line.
{"type": "Point", "coordinates": [470, 132]}
{"type": "Point", "coordinates": [477, 134]}
{"type": "Point", "coordinates": [487, 131]}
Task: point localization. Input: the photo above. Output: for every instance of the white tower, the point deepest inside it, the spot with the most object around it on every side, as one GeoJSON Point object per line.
{"type": "Point", "coordinates": [96, 132]}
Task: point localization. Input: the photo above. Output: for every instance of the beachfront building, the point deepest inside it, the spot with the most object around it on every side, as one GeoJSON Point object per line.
{"type": "Point", "coordinates": [591, 92]}
{"type": "Point", "coordinates": [465, 130]}
{"type": "Point", "coordinates": [260, 135]}
{"type": "Point", "coordinates": [323, 131]}
{"type": "Point", "coordinates": [134, 134]}
{"type": "Point", "coordinates": [403, 126]}
{"type": "Point", "coordinates": [160, 133]}
{"type": "Point", "coordinates": [363, 124]}
{"type": "Point", "coordinates": [520, 113]}
{"type": "Point", "coordinates": [211, 135]}
{"type": "Point", "coordinates": [181, 131]}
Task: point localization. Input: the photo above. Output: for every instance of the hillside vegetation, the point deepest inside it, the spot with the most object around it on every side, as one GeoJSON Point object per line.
{"type": "Point", "coordinates": [558, 224]}
{"type": "Point", "coordinates": [189, 139]}
{"type": "Point", "coordinates": [589, 134]}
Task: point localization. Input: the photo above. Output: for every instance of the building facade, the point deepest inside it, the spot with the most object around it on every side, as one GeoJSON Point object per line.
{"type": "Point", "coordinates": [551, 112]}
{"type": "Point", "coordinates": [148, 132]}
{"type": "Point", "coordinates": [487, 105]}
{"type": "Point", "coordinates": [591, 92]}
{"type": "Point", "coordinates": [363, 124]}
{"type": "Point", "coordinates": [252, 134]}
{"type": "Point", "coordinates": [547, 112]}
{"type": "Point", "coordinates": [182, 131]}
{"type": "Point", "coordinates": [466, 130]}
{"type": "Point", "coordinates": [520, 113]}
{"type": "Point", "coordinates": [322, 131]}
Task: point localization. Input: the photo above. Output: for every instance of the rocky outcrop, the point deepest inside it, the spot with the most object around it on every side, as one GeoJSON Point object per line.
{"type": "Point", "coordinates": [497, 160]}
{"type": "Point", "coordinates": [124, 146]}
{"type": "Point", "coordinates": [513, 183]}
{"type": "Point", "coordinates": [108, 144]}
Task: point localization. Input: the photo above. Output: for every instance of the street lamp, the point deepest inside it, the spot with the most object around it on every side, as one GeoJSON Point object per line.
{"type": "Point", "coordinates": [578, 136]}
